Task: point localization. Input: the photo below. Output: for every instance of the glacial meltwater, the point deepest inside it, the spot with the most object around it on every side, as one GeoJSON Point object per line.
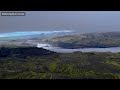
{"type": "Point", "coordinates": [62, 50]}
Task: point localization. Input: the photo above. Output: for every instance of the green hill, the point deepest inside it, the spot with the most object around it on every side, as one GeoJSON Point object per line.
{"type": "Point", "coordinates": [52, 65]}
{"type": "Point", "coordinates": [90, 40]}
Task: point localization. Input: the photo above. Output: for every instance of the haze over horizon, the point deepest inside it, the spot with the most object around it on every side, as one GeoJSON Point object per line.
{"type": "Point", "coordinates": [79, 21]}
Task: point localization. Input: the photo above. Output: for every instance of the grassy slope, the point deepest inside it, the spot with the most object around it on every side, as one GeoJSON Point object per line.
{"type": "Point", "coordinates": [66, 66]}
{"type": "Point", "coordinates": [109, 39]}
{"type": "Point", "coordinates": [62, 66]}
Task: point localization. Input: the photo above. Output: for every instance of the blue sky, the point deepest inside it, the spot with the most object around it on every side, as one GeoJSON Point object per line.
{"type": "Point", "coordinates": [80, 21]}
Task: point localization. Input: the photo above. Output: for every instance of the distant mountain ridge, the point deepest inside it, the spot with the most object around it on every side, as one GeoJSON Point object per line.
{"type": "Point", "coordinates": [29, 38]}
{"type": "Point", "coordinates": [88, 40]}
{"type": "Point", "coordinates": [65, 39]}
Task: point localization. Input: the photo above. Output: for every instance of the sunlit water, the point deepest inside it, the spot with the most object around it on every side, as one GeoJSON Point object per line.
{"type": "Point", "coordinates": [61, 50]}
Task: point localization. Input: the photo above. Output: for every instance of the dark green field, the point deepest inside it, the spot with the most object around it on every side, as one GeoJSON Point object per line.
{"type": "Point", "coordinates": [17, 63]}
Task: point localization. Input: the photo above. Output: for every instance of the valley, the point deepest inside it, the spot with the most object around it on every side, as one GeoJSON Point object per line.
{"type": "Point", "coordinates": [78, 56]}
{"type": "Point", "coordinates": [60, 45]}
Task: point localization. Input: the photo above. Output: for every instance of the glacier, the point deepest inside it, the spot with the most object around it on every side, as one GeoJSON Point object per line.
{"type": "Point", "coordinates": [11, 34]}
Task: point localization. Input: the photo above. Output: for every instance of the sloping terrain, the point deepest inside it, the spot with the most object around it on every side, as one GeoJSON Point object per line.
{"type": "Point", "coordinates": [24, 52]}
{"type": "Point", "coordinates": [90, 40]}
{"type": "Point", "coordinates": [29, 62]}
{"type": "Point", "coordinates": [59, 66]}
{"type": "Point", "coordinates": [31, 38]}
